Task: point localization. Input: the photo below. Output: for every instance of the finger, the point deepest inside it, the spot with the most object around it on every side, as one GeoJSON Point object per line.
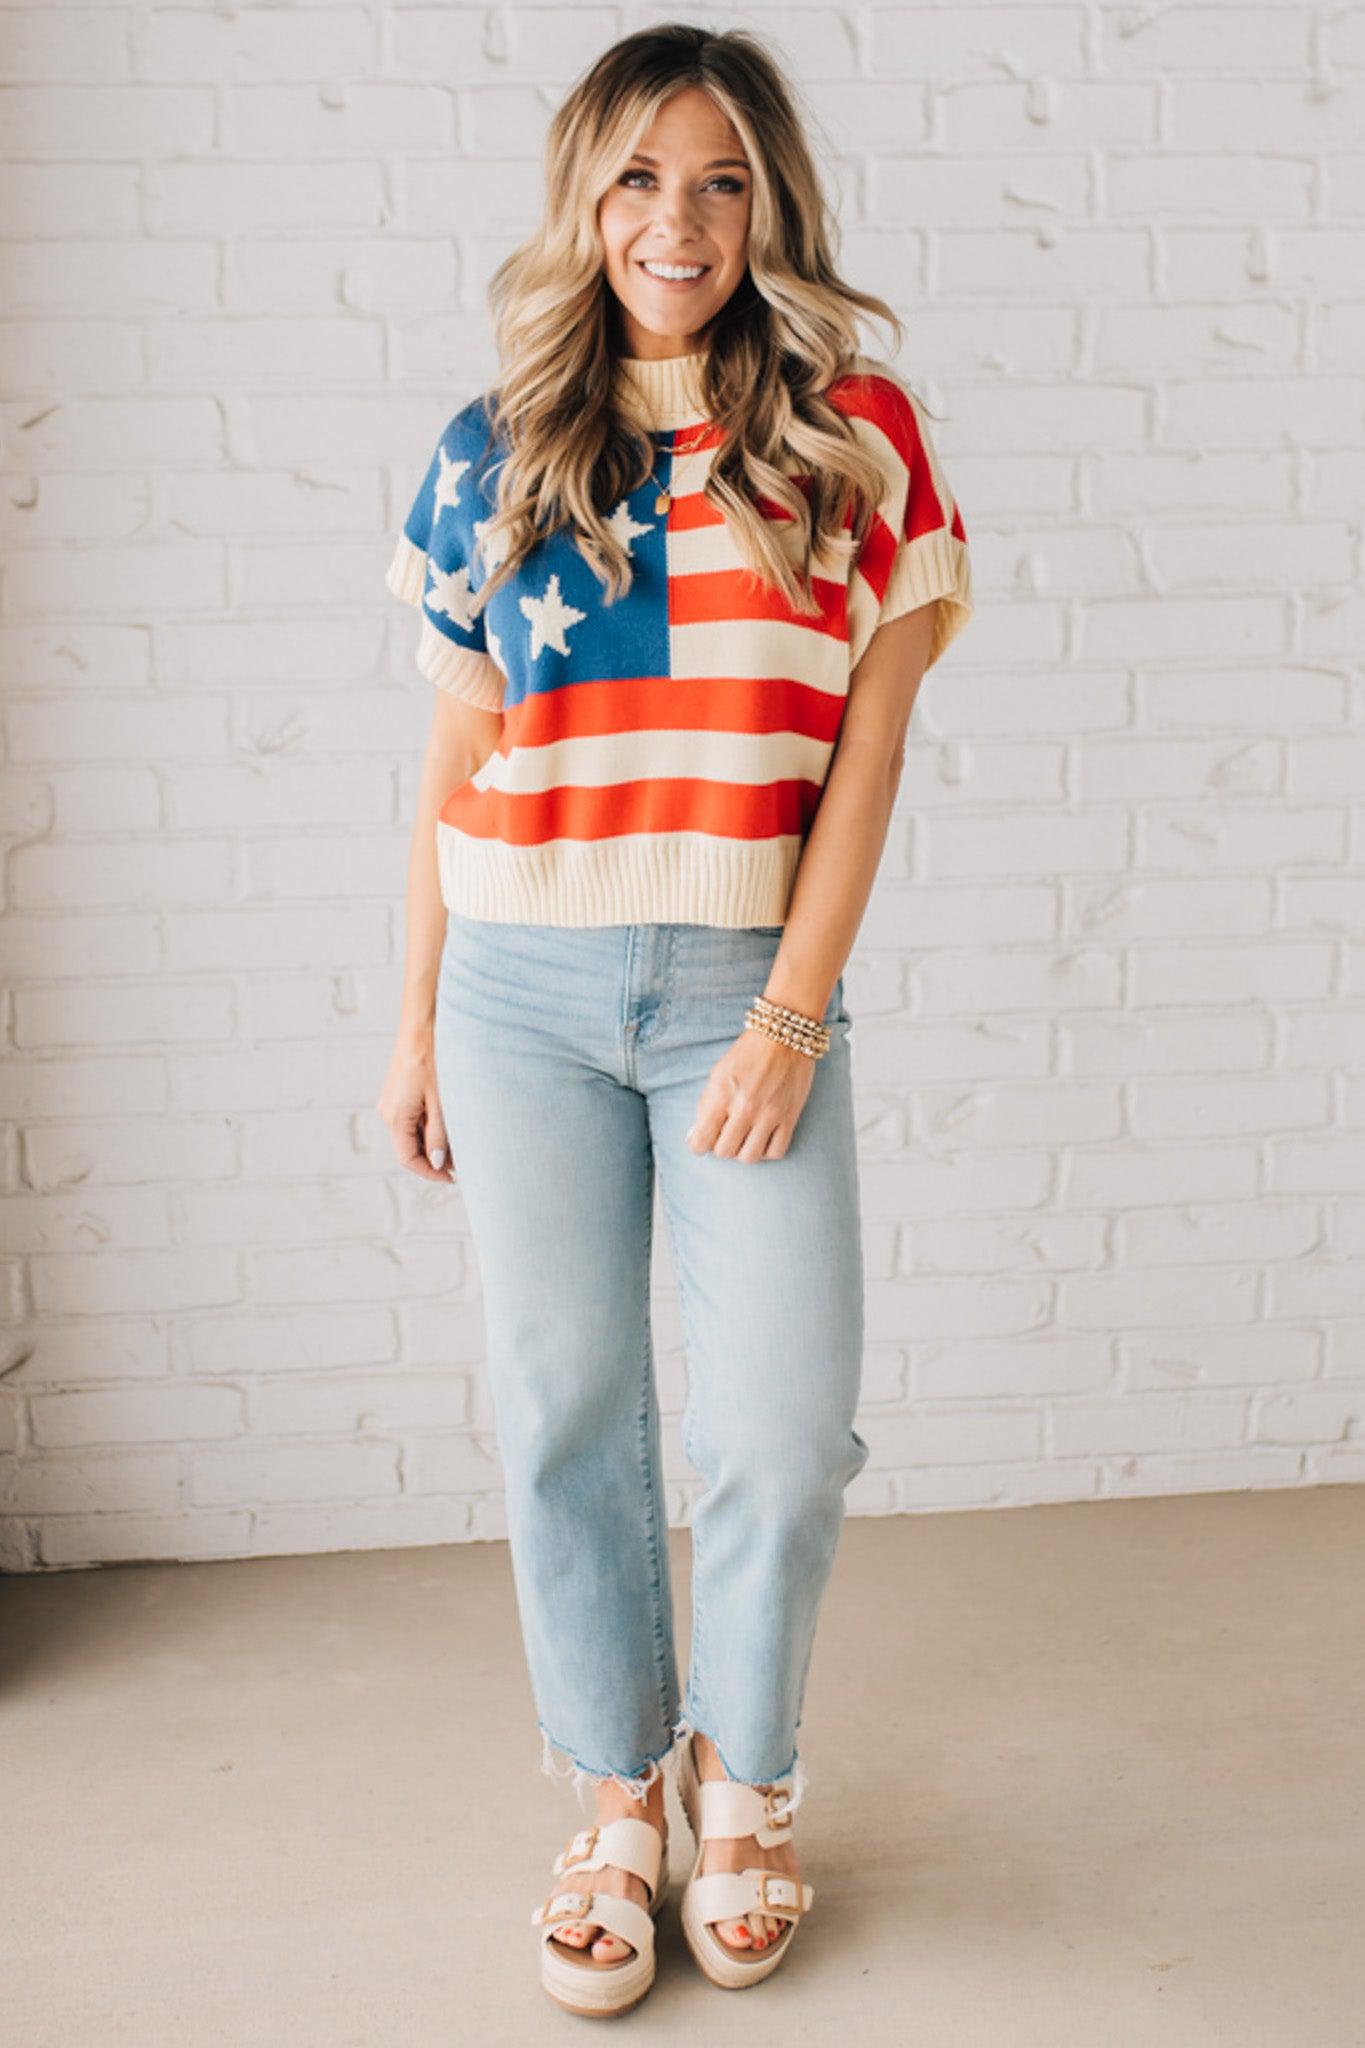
{"type": "Point", "coordinates": [729, 1138]}
{"type": "Point", "coordinates": [745, 1137]}
{"type": "Point", "coordinates": [758, 1145]}
{"type": "Point", "coordinates": [734, 1126]}
{"type": "Point", "coordinates": [409, 1145]}
{"type": "Point", "coordinates": [437, 1148]}
{"type": "Point", "coordinates": [706, 1124]}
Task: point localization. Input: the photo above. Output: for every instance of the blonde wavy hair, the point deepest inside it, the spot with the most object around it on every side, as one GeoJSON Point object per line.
{"type": "Point", "coordinates": [786, 333]}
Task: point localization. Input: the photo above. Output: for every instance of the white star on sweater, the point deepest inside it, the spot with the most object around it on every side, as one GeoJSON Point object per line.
{"type": "Point", "coordinates": [551, 617]}
{"type": "Point", "coordinates": [450, 595]}
{"type": "Point", "coordinates": [498, 546]}
{"type": "Point", "coordinates": [447, 484]}
{"type": "Point", "coordinates": [625, 527]}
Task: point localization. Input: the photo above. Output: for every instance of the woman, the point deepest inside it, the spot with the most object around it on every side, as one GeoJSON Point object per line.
{"type": "Point", "coordinates": [679, 576]}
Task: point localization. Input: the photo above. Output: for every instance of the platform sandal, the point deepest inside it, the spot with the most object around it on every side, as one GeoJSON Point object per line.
{"type": "Point", "coordinates": [583, 1983]}
{"type": "Point", "coordinates": [722, 1807]}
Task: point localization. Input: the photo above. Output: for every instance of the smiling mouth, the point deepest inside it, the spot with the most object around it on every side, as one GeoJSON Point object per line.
{"type": "Point", "coordinates": [702, 272]}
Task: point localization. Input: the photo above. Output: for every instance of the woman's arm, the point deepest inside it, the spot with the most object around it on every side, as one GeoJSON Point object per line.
{"type": "Point", "coordinates": [462, 737]}
{"type": "Point", "coordinates": [844, 846]}
{"type": "Point", "coordinates": [756, 1091]}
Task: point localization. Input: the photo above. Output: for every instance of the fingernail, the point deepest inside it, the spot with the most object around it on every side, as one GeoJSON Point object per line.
{"type": "Point", "coordinates": [692, 1134]}
{"type": "Point", "coordinates": [438, 1157]}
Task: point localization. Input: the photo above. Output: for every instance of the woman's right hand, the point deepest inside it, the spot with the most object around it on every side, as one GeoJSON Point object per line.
{"type": "Point", "coordinates": [411, 1107]}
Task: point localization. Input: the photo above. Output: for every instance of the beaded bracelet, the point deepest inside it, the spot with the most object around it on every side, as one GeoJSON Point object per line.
{"type": "Point", "coordinates": [790, 1027]}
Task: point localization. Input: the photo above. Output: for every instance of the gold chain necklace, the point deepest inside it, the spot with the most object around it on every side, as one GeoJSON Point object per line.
{"type": "Point", "coordinates": [665, 498]}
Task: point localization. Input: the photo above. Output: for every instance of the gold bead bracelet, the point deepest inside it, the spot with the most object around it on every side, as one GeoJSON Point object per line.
{"type": "Point", "coordinates": [790, 1027]}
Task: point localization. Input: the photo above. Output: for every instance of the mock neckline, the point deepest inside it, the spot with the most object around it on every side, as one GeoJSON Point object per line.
{"type": "Point", "coordinates": [665, 391]}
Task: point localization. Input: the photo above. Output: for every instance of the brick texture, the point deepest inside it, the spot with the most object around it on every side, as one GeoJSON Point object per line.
{"type": "Point", "coordinates": [1110, 991]}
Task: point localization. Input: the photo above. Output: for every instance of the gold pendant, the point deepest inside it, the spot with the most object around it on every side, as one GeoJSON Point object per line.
{"type": "Point", "coordinates": [662, 502]}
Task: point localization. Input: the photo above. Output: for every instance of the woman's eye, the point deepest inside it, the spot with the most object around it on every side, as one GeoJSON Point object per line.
{"type": "Point", "coordinates": [731, 184]}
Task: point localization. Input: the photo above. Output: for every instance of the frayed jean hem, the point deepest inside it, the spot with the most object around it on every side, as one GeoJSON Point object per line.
{"type": "Point", "coordinates": [657, 1765]}
{"type": "Point", "coordinates": [636, 1783]}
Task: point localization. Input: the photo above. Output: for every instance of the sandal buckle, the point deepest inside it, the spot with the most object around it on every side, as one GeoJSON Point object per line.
{"type": "Point", "coordinates": [767, 1905]}
{"type": "Point", "coordinates": [774, 1816]}
{"type": "Point", "coordinates": [588, 1837]}
{"type": "Point", "coordinates": [581, 1907]}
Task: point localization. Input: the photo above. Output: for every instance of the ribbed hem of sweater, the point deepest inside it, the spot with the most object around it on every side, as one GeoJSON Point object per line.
{"type": "Point", "coordinates": [638, 878]}
{"type": "Point", "coordinates": [665, 392]}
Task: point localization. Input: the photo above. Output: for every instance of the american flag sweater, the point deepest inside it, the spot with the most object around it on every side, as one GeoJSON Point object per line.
{"type": "Point", "coordinates": [661, 759]}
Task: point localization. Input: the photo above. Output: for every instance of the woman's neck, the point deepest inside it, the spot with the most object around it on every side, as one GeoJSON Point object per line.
{"type": "Point", "coordinates": [666, 391]}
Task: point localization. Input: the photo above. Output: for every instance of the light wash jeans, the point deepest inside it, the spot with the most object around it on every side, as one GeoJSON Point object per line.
{"type": "Point", "coordinates": [570, 1063]}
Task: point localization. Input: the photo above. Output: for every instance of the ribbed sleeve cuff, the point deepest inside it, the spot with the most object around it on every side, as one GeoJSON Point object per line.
{"type": "Point", "coordinates": [464, 671]}
{"type": "Point", "coordinates": [407, 572]}
{"type": "Point", "coordinates": [939, 565]}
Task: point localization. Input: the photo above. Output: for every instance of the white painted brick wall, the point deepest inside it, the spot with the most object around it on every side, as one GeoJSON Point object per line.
{"type": "Point", "coordinates": [1110, 993]}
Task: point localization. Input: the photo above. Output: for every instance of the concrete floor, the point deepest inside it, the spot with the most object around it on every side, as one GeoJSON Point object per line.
{"type": "Point", "coordinates": [1082, 1776]}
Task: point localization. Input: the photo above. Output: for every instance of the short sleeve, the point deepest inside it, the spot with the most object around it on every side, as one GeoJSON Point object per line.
{"type": "Point", "coordinates": [915, 549]}
{"type": "Point", "coordinates": [430, 569]}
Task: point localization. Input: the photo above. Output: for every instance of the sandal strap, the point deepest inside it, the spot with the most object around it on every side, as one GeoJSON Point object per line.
{"type": "Point", "coordinates": [729, 1808]}
{"type": "Point", "coordinates": [602, 1909]}
{"type": "Point", "coordinates": [730, 1894]}
{"type": "Point", "coordinates": [626, 1843]}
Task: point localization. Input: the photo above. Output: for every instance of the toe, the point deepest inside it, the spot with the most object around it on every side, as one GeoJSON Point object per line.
{"type": "Point", "coordinates": [736, 1932]}
{"type": "Point", "coordinates": [609, 1948]}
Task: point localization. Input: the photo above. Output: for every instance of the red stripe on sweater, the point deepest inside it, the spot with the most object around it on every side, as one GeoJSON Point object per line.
{"type": "Point", "coordinates": [693, 512]}
{"type": "Point", "coordinates": [730, 810]}
{"type": "Point", "coordinates": [708, 597]}
{"type": "Point", "coordinates": [887, 407]}
{"type": "Point", "coordinates": [741, 704]}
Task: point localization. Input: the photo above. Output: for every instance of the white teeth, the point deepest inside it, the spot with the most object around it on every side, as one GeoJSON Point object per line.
{"type": "Point", "coordinates": [675, 270]}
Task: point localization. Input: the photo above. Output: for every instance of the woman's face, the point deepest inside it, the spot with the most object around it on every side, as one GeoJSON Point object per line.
{"type": "Point", "coordinates": [683, 200]}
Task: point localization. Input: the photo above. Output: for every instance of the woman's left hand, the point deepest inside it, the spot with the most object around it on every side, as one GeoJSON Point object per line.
{"type": "Point", "coordinates": [753, 1096]}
